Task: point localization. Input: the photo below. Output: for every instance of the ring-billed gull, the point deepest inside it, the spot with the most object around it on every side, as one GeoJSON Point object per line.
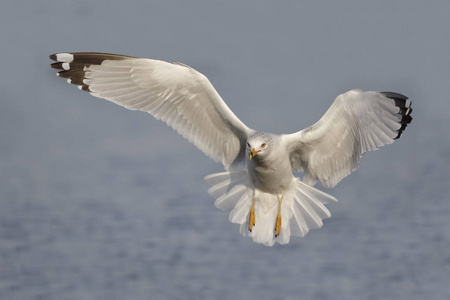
{"type": "Point", "coordinates": [258, 186]}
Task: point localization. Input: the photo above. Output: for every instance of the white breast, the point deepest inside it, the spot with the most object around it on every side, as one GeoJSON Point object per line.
{"type": "Point", "coordinates": [271, 173]}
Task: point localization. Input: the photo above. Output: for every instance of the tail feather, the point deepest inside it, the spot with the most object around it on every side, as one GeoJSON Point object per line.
{"type": "Point", "coordinates": [263, 231]}
{"type": "Point", "coordinates": [298, 224]}
{"type": "Point", "coordinates": [302, 208]}
{"type": "Point", "coordinates": [239, 214]}
{"type": "Point", "coordinates": [228, 188]}
{"type": "Point", "coordinates": [316, 194]}
{"type": "Point", "coordinates": [312, 218]}
{"type": "Point", "coordinates": [231, 199]}
{"type": "Point", "coordinates": [216, 178]}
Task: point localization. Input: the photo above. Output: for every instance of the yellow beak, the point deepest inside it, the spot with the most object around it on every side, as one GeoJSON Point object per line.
{"type": "Point", "coordinates": [253, 153]}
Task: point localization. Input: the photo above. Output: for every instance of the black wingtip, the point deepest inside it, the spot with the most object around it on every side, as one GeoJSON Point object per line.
{"type": "Point", "coordinates": [404, 105]}
{"type": "Point", "coordinates": [57, 66]}
{"type": "Point", "coordinates": [394, 96]}
{"type": "Point", "coordinates": [398, 135]}
{"type": "Point", "coordinates": [406, 119]}
{"type": "Point", "coordinates": [400, 131]}
{"type": "Point", "coordinates": [399, 99]}
{"type": "Point", "coordinates": [53, 57]}
{"type": "Point", "coordinates": [405, 110]}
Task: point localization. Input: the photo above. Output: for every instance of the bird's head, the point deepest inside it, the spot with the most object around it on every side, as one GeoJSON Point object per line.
{"type": "Point", "coordinates": [258, 144]}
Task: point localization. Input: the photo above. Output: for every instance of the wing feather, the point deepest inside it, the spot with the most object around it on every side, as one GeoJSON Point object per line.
{"type": "Point", "coordinates": [174, 93]}
{"type": "Point", "coordinates": [357, 122]}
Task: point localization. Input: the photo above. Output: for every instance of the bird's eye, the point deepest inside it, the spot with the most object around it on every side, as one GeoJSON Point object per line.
{"type": "Point", "coordinates": [248, 145]}
{"type": "Point", "coordinates": [263, 145]}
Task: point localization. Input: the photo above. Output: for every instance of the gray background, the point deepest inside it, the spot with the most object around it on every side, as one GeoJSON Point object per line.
{"type": "Point", "coordinates": [97, 202]}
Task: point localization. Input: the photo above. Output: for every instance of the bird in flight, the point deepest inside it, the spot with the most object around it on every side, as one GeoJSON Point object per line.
{"type": "Point", "coordinates": [258, 185]}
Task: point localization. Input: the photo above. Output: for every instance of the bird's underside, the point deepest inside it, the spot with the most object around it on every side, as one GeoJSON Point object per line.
{"type": "Point", "coordinates": [258, 185]}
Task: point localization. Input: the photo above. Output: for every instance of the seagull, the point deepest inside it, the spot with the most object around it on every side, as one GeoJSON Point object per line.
{"type": "Point", "coordinates": [258, 185]}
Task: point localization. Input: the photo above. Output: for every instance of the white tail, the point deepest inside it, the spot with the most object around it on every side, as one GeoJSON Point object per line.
{"type": "Point", "coordinates": [302, 207]}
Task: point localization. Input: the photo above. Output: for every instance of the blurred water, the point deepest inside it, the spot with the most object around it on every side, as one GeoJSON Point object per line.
{"type": "Point", "coordinates": [97, 202]}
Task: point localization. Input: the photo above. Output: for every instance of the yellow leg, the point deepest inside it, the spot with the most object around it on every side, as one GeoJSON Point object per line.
{"type": "Point", "coordinates": [278, 223]}
{"type": "Point", "coordinates": [251, 219]}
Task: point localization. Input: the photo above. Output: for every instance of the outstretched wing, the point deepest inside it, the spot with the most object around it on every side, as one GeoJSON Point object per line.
{"type": "Point", "coordinates": [174, 93]}
{"type": "Point", "coordinates": [356, 122]}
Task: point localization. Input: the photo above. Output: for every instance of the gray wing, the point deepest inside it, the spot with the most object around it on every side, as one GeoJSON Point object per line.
{"type": "Point", "coordinates": [174, 93]}
{"type": "Point", "coordinates": [356, 122]}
